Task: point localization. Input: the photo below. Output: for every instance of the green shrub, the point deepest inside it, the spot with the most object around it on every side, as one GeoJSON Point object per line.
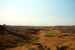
{"type": "Point", "coordinates": [31, 48]}
{"type": "Point", "coordinates": [49, 35]}
{"type": "Point", "coordinates": [26, 42]}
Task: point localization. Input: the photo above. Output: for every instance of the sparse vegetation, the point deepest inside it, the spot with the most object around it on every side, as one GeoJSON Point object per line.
{"type": "Point", "coordinates": [32, 35]}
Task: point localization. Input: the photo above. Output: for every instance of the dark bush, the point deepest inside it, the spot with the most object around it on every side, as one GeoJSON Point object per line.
{"type": "Point", "coordinates": [48, 49]}
{"type": "Point", "coordinates": [62, 47]}
{"type": "Point", "coordinates": [31, 48]}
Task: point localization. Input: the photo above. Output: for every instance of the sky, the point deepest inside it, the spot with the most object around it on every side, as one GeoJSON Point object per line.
{"type": "Point", "coordinates": [37, 12]}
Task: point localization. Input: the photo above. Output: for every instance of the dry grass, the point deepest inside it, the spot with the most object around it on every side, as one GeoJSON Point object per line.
{"type": "Point", "coordinates": [48, 38]}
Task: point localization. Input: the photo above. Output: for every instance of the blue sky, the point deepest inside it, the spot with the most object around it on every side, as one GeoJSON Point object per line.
{"type": "Point", "coordinates": [37, 12]}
